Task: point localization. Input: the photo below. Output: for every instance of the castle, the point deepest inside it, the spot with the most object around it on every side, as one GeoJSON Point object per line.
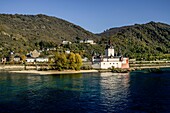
{"type": "Point", "coordinates": [109, 60]}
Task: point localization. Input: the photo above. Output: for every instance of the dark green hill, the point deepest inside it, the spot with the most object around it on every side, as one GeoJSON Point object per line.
{"type": "Point", "coordinates": [26, 32]}
{"type": "Point", "coordinates": [21, 33]}
{"type": "Point", "coordinates": [145, 40]}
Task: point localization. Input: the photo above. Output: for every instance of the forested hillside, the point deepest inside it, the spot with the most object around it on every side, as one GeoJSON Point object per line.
{"type": "Point", "coordinates": [27, 32]}
{"type": "Point", "coordinates": [22, 33]}
{"type": "Point", "coordinates": [145, 40]}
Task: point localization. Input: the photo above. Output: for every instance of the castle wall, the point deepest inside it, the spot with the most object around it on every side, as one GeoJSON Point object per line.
{"type": "Point", "coordinates": [96, 65]}
{"type": "Point", "coordinates": [106, 65]}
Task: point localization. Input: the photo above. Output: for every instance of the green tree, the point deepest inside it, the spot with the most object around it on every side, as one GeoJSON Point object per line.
{"type": "Point", "coordinates": [78, 61]}
{"type": "Point", "coordinates": [58, 61]}
{"type": "Point", "coordinates": [71, 61]}
{"type": "Point", "coordinates": [23, 57]}
{"type": "Point", "coordinates": [63, 59]}
{"type": "Point", "coordinates": [68, 61]}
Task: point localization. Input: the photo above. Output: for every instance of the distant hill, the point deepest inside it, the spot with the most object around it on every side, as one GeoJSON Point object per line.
{"type": "Point", "coordinates": [32, 31]}
{"type": "Point", "coordinates": [140, 40]}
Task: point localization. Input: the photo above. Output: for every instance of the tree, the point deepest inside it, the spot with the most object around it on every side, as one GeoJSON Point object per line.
{"type": "Point", "coordinates": [23, 57]}
{"type": "Point", "coordinates": [71, 61]}
{"type": "Point", "coordinates": [78, 61]}
{"type": "Point", "coordinates": [63, 59]}
{"type": "Point", "coordinates": [68, 61]}
{"type": "Point", "coordinates": [58, 61]}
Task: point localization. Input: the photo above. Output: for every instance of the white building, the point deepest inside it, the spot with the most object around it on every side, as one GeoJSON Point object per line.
{"type": "Point", "coordinates": [67, 51]}
{"type": "Point", "coordinates": [85, 59]}
{"type": "Point", "coordinates": [87, 41]}
{"type": "Point", "coordinates": [30, 59]}
{"type": "Point", "coordinates": [41, 60]}
{"type": "Point", "coordinates": [34, 54]}
{"type": "Point", "coordinates": [17, 59]}
{"type": "Point", "coordinates": [109, 60]}
{"type": "Point", "coordinates": [66, 42]}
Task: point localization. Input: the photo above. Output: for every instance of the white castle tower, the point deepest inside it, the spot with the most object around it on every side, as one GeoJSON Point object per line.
{"type": "Point", "coordinates": [109, 60]}
{"type": "Point", "coordinates": [109, 50]}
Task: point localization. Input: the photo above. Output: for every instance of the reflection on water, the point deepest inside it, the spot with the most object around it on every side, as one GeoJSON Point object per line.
{"type": "Point", "coordinates": [111, 95]}
{"type": "Point", "coordinates": [93, 92]}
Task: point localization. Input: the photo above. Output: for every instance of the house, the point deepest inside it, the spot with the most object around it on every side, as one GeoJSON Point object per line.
{"type": "Point", "coordinates": [29, 59]}
{"type": "Point", "coordinates": [41, 59]}
{"type": "Point", "coordinates": [3, 60]}
{"type": "Point", "coordinates": [17, 59]}
{"type": "Point", "coordinates": [81, 41]}
{"type": "Point", "coordinates": [34, 54]}
{"type": "Point", "coordinates": [109, 60]}
{"type": "Point", "coordinates": [66, 42]}
{"type": "Point", "coordinates": [67, 51]}
{"type": "Point", "coordinates": [85, 59]}
{"type": "Point", "coordinates": [87, 41]}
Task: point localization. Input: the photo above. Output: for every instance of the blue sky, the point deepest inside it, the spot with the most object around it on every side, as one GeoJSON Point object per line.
{"type": "Point", "coordinates": [94, 15]}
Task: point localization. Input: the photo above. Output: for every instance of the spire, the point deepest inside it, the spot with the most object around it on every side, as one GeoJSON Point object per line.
{"type": "Point", "coordinates": [109, 45]}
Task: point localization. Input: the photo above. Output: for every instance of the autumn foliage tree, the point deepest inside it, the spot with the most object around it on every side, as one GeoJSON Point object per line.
{"type": "Point", "coordinates": [68, 61]}
{"type": "Point", "coordinates": [78, 61]}
{"type": "Point", "coordinates": [71, 61]}
{"type": "Point", "coordinates": [23, 57]}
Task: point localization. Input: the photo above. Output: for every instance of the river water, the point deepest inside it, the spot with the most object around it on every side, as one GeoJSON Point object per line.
{"type": "Point", "coordinates": [135, 92]}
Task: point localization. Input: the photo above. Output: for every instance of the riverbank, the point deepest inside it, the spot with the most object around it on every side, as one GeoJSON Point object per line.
{"type": "Point", "coordinates": [33, 70]}
{"type": "Point", "coordinates": [16, 67]}
{"type": "Point", "coordinates": [54, 72]}
{"type": "Point", "coordinates": [147, 67]}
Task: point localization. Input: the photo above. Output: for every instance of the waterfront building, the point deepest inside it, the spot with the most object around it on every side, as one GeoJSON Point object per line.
{"type": "Point", "coordinates": [41, 59]}
{"type": "Point", "coordinates": [17, 59]}
{"type": "Point", "coordinates": [30, 59]}
{"type": "Point", "coordinates": [3, 60]}
{"type": "Point", "coordinates": [109, 60]}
